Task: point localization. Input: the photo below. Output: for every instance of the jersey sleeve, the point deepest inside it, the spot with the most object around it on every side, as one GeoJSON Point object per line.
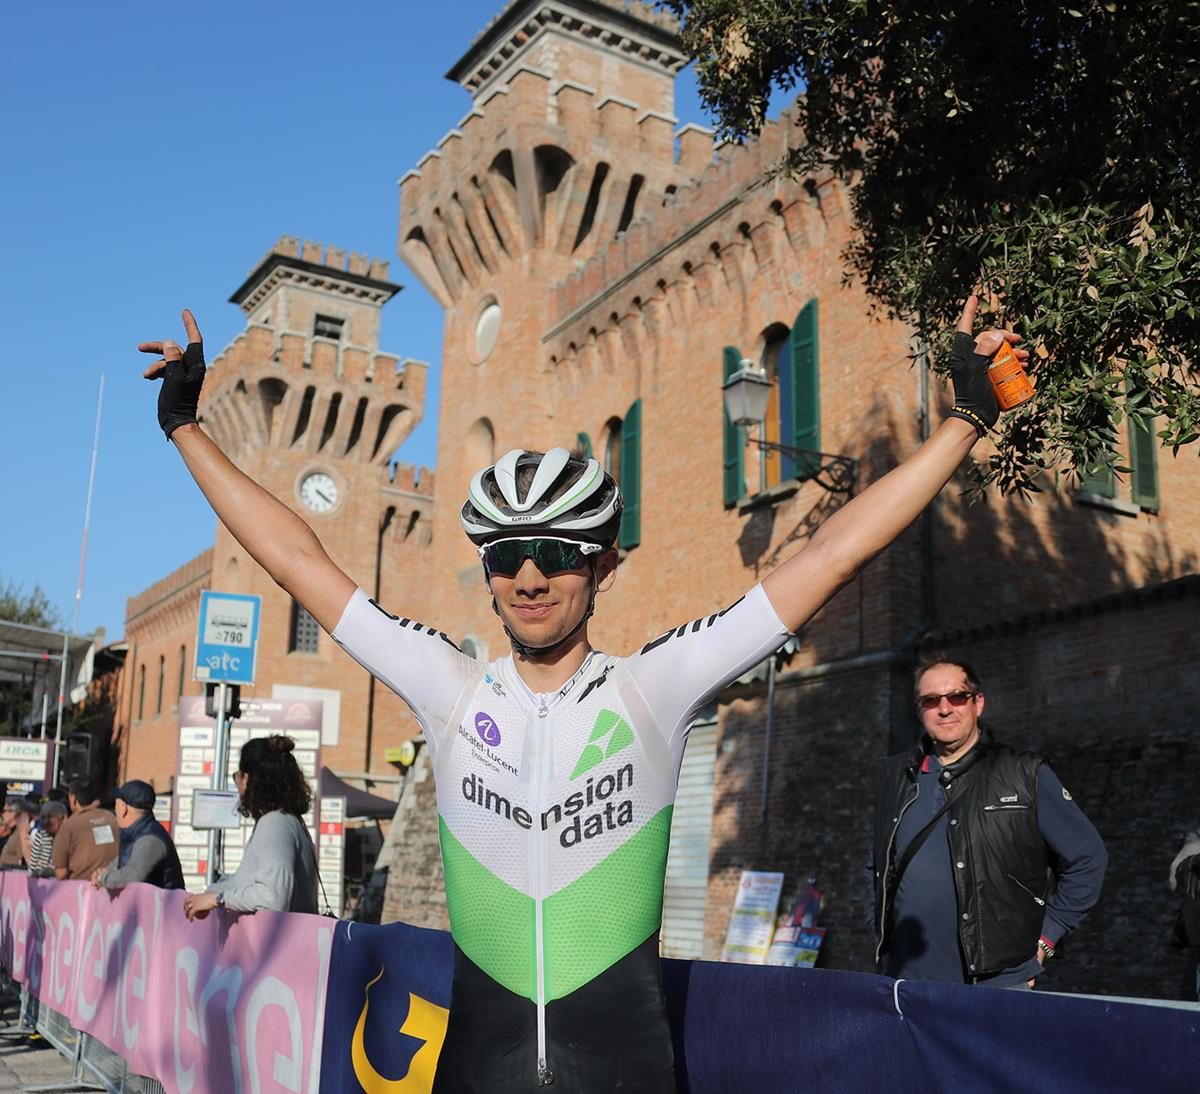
{"type": "Point", "coordinates": [680, 671]}
{"type": "Point", "coordinates": [419, 663]}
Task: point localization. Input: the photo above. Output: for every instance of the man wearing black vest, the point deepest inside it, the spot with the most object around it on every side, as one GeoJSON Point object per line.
{"type": "Point", "coordinates": [982, 860]}
{"type": "Point", "coordinates": [147, 853]}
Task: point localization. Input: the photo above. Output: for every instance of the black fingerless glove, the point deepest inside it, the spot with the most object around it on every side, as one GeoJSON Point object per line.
{"type": "Point", "coordinates": [179, 396]}
{"type": "Point", "coordinates": [974, 399]}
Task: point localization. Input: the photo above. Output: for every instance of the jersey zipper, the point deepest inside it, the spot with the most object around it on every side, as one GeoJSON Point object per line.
{"type": "Point", "coordinates": [538, 870]}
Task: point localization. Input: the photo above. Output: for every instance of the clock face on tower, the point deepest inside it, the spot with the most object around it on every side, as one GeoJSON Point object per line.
{"type": "Point", "coordinates": [319, 491]}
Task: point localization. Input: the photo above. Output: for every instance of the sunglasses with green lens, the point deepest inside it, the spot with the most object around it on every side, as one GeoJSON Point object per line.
{"type": "Point", "coordinates": [505, 557]}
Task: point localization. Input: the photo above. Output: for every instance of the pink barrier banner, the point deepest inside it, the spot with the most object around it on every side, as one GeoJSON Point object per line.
{"type": "Point", "coordinates": [227, 1004]}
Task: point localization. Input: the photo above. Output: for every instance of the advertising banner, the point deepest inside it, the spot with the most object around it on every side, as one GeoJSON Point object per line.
{"type": "Point", "coordinates": [227, 1003]}
{"type": "Point", "coordinates": [25, 764]}
{"type": "Point", "coordinates": [274, 1002]}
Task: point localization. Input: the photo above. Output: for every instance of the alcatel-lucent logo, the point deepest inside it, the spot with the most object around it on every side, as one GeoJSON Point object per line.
{"type": "Point", "coordinates": [487, 729]}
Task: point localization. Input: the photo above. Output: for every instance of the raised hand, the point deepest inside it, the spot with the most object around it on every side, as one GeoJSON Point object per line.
{"type": "Point", "coordinates": [182, 375]}
{"type": "Point", "coordinates": [969, 360]}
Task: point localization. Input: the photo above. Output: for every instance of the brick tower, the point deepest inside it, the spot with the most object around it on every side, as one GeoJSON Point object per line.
{"type": "Point", "coordinates": [570, 140]}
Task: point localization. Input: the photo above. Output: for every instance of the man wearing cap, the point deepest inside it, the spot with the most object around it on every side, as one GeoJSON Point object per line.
{"type": "Point", "coordinates": [147, 853]}
{"type": "Point", "coordinates": [88, 837]}
{"type": "Point", "coordinates": [50, 818]}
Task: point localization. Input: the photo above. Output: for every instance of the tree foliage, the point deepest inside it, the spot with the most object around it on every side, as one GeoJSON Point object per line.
{"type": "Point", "coordinates": [33, 609]}
{"type": "Point", "coordinates": [1046, 153]}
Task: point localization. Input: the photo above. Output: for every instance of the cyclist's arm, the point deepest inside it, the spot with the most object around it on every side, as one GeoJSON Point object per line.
{"type": "Point", "coordinates": [420, 664]}
{"type": "Point", "coordinates": [681, 670]}
{"type": "Point", "coordinates": [858, 531]}
{"type": "Point", "coordinates": [277, 539]}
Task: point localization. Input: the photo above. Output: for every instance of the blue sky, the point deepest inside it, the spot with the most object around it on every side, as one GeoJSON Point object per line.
{"type": "Point", "coordinates": [152, 153]}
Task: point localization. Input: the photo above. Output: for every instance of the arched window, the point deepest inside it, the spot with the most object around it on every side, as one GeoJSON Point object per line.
{"type": "Point", "coordinates": [480, 447]}
{"type": "Point", "coordinates": [141, 689]}
{"type": "Point", "coordinates": [623, 460]}
{"type": "Point", "coordinates": [776, 363]}
{"type": "Point", "coordinates": [162, 673]}
{"type": "Point", "coordinates": [612, 448]}
{"type": "Point", "coordinates": [474, 647]}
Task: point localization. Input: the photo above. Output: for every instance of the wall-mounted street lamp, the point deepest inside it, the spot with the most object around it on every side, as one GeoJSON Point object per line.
{"type": "Point", "coordinates": [747, 395]}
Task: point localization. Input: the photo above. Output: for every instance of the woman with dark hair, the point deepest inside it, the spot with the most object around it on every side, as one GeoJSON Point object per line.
{"type": "Point", "coordinates": [279, 866]}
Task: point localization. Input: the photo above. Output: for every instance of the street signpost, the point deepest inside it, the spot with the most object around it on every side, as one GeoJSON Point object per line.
{"type": "Point", "coordinates": [226, 649]}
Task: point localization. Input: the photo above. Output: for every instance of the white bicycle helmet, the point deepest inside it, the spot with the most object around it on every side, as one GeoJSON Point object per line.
{"type": "Point", "coordinates": [563, 496]}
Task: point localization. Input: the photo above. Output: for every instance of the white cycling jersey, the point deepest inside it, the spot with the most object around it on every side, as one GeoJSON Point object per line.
{"type": "Point", "coordinates": [554, 809]}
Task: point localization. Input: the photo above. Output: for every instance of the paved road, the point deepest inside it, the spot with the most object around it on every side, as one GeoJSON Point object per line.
{"type": "Point", "coordinates": [30, 1063]}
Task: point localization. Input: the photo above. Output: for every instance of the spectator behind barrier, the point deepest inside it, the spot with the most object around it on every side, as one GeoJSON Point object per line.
{"type": "Point", "coordinates": [147, 852]}
{"type": "Point", "coordinates": [50, 820]}
{"type": "Point", "coordinates": [279, 866]}
{"type": "Point", "coordinates": [8, 822]}
{"type": "Point", "coordinates": [16, 849]}
{"type": "Point", "coordinates": [88, 838]}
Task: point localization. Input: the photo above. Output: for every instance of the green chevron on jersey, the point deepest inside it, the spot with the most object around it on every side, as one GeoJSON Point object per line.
{"type": "Point", "coordinates": [620, 735]}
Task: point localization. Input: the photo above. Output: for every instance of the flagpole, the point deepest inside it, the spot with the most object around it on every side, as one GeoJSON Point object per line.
{"type": "Point", "coordinates": [87, 520]}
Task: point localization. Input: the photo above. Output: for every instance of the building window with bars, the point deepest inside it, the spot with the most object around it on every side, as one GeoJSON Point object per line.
{"type": "Point", "coordinates": [328, 326]}
{"type": "Point", "coordinates": [304, 631]}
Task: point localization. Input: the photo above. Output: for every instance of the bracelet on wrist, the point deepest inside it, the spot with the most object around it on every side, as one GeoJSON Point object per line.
{"type": "Point", "coordinates": [972, 417]}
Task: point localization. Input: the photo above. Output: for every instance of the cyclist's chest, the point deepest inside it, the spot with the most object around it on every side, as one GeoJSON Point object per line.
{"type": "Point", "coordinates": [521, 764]}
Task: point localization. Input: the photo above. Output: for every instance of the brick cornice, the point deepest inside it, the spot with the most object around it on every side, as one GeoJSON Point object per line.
{"type": "Point", "coordinates": [1108, 604]}
{"type": "Point", "coordinates": [634, 31]}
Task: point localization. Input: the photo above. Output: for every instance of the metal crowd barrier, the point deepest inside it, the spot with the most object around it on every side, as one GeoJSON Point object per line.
{"type": "Point", "coordinates": [94, 1066]}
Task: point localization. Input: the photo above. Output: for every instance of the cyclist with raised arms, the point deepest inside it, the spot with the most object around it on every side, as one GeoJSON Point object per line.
{"type": "Point", "coordinates": [556, 766]}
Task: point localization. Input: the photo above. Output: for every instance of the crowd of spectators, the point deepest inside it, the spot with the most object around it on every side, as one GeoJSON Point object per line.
{"type": "Point", "coordinates": [69, 834]}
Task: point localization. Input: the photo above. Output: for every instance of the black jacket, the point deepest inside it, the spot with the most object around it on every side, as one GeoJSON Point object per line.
{"type": "Point", "coordinates": [1004, 878]}
{"type": "Point", "coordinates": [168, 874]}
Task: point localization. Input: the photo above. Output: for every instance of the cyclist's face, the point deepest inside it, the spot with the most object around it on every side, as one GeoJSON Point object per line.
{"type": "Point", "coordinates": [543, 610]}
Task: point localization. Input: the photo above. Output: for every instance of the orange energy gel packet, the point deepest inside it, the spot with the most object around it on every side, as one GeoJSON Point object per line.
{"type": "Point", "coordinates": [1009, 379]}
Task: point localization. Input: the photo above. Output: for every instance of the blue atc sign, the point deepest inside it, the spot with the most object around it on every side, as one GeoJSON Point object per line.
{"type": "Point", "coordinates": [227, 638]}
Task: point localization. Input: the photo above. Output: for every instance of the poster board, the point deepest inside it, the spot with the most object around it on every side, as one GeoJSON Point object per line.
{"type": "Point", "coordinates": [331, 855]}
{"type": "Point", "coordinates": [299, 719]}
{"type": "Point", "coordinates": [752, 922]}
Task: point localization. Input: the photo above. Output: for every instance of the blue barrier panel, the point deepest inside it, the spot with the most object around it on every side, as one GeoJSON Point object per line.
{"type": "Point", "coordinates": [383, 980]}
{"type": "Point", "coordinates": [754, 1028]}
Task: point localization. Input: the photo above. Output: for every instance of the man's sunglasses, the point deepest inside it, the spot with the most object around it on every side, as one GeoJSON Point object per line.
{"type": "Point", "coordinates": [505, 557]}
{"type": "Point", "coordinates": [954, 698]}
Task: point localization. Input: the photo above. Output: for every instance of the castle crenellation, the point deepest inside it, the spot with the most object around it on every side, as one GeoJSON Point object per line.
{"type": "Point", "coordinates": [334, 258]}
{"type": "Point", "coordinates": [484, 194]}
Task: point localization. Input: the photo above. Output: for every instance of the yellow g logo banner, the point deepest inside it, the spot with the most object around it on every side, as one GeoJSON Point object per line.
{"type": "Point", "coordinates": [425, 1022]}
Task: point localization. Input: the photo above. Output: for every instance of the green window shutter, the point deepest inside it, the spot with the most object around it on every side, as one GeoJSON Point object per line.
{"type": "Point", "coordinates": [1099, 481]}
{"type": "Point", "coordinates": [735, 471]}
{"type": "Point", "coordinates": [1143, 455]}
{"type": "Point", "coordinates": [584, 443]}
{"type": "Point", "coordinates": [806, 388]}
{"type": "Point", "coordinates": [631, 477]}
